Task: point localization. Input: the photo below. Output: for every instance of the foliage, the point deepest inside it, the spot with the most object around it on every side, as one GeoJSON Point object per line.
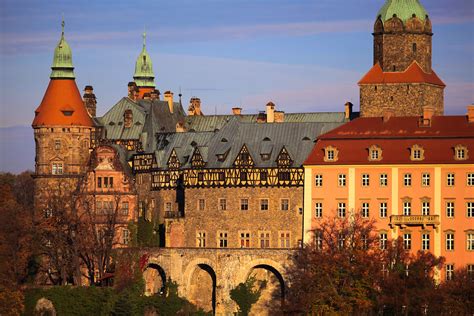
{"type": "Point", "coordinates": [11, 301]}
{"type": "Point", "coordinates": [455, 297]}
{"type": "Point", "coordinates": [246, 294]}
{"type": "Point", "coordinates": [146, 234]}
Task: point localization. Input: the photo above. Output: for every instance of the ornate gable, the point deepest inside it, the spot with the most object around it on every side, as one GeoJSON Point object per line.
{"type": "Point", "coordinates": [173, 161]}
{"type": "Point", "coordinates": [284, 158]}
{"type": "Point", "coordinates": [197, 160]}
{"type": "Point", "coordinates": [243, 158]}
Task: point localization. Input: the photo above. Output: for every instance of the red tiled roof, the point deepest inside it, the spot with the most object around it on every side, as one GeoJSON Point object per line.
{"type": "Point", "coordinates": [396, 137]}
{"type": "Point", "coordinates": [62, 95]}
{"type": "Point", "coordinates": [413, 74]}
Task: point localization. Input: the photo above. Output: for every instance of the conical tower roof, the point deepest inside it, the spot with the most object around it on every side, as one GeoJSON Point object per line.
{"type": "Point", "coordinates": [144, 76]}
{"type": "Point", "coordinates": [62, 104]}
{"type": "Point", "coordinates": [403, 9]}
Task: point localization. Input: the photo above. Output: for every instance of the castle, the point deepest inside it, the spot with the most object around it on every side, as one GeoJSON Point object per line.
{"type": "Point", "coordinates": [230, 195]}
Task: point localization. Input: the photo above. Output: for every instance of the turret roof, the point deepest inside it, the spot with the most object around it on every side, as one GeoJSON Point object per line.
{"type": "Point", "coordinates": [144, 76]}
{"type": "Point", "coordinates": [62, 61]}
{"type": "Point", "coordinates": [403, 9]}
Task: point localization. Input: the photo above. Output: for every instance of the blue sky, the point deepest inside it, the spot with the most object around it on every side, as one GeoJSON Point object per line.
{"type": "Point", "coordinates": [303, 55]}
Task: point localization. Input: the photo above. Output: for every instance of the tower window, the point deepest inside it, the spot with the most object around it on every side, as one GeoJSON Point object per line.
{"type": "Point", "coordinates": [394, 68]}
{"type": "Point", "coordinates": [414, 48]}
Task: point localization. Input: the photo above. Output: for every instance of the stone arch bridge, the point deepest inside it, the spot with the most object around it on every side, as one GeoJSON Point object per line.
{"type": "Point", "coordinates": [205, 276]}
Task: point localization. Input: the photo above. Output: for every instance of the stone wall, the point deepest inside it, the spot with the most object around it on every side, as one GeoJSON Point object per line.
{"type": "Point", "coordinates": [401, 99]}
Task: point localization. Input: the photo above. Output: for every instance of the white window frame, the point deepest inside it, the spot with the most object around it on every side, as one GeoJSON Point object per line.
{"type": "Point", "coordinates": [450, 179]}
{"type": "Point", "coordinates": [383, 179]}
{"type": "Point", "coordinates": [425, 207]}
{"type": "Point", "coordinates": [341, 209]}
{"type": "Point", "coordinates": [425, 241]}
{"type": "Point", "coordinates": [318, 180]}
{"type": "Point", "coordinates": [365, 180]}
{"type": "Point", "coordinates": [470, 179]}
{"type": "Point", "coordinates": [383, 209]}
{"type": "Point", "coordinates": [407, 180]}
{"type": "Point", "coordinates": [449, 241]}
{"type": "Point", "coordinates": [264, 204]}
{"type": "Point", "coordinates": [318, 209]}
{"type": "Point", "coordinates": [365, 209]}
{"type": "Point", "coordinates": [450, 209]}
{"type": "Point", "coordinates": [407, 208]}
{"type": "Point", "coordinates": [425, 179]}
{"type": "Point", "coordinates": [470, 209]}
{"type": "Point", "coordinates": [407, 241]}
{"type": "Point", "coordinates": [342, 180]}
{"type": "Point", "coordinates": [383, 237]}
{"type": "Point", "coordinates": [284, 206]}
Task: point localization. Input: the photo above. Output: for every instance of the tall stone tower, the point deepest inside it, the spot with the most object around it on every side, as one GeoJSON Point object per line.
{"type": "Point", "coordinates": [62, 128]}
{"type": "Point", "coordinates": [402, 80]}
{"type": "Point", "coordinates": [144, 76]}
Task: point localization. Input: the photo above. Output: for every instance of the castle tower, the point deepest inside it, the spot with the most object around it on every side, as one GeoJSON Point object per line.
{"type": "Point", "coordinates": [402, 80]}
{"type": "Point", "coordinates": [144, 76]}
{"type": "Point", "coordinates": [62, 127]}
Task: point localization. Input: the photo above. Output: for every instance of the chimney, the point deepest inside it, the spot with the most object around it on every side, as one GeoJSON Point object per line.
{"type": "Point", "coordinates": [348, 110]}
{"type": "Point", "coordinates": [90, 101]}
{"type": "Point", "coordinates": [279, 116]}
{"type": "Point", "coordinates": [237, 111]}
{"type": "Point", "coordinates": [428, 113]}
{"type": "Point", "coordinates": [387, 115]}
{"type": "Point", "coordinates": [131, 90]}
{"type": "Point", "coordinates": [194, 106]}
{"type": "Point", "coordinates": [146, 96]}
{"type": "Point", "coordinates": [155, 94]}
{"type": "Point", "coordinates": [270, 112]}
{"type": "Point", "coordinates": [180, 127]}
{"type": "Point", "coordinates": [169, 99]}
{"type": "Point", "coordinates": [470, 113]}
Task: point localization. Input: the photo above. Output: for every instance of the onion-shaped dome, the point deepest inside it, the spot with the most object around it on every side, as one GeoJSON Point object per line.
{"type": "Point", "coordinates": [402, 9]}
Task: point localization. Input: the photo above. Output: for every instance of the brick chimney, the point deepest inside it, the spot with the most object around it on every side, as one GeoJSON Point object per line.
{"type": "Point", "coordinates": [194, 106]}
{"type": "Point", "coordinates": [169, 99]}
{"type": "Point", "coordinates": [131, 90]}
{"type": "Point", "coordinates": [90, 101]}
{"type": "Point", "coordinates": [155, 94]}
{"type": "Point", "coordinates": [348, 110]}
{"type": "Point", "coordinates": [180, 127]}
{"type": "Point", "coordinates": [237, 111]}
{"type": "Point", "coordinates": [387, 115]}
{"type": "Point", "coordinates": [279, 116]}
{"type": "Point", "coordinates": [146, 96]}
{"type": "Point", "coordinates": [270, 112]}
{"type": "Point", "coordinates": [428, 112]}
{"type": "Point", "coordinates": [470, 113]}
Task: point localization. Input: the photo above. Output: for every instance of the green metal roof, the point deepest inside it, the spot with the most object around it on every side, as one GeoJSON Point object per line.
{"type": "Point", "coordinates": [62, 62]}
{"type": "Point", "coordinates": [404, 9]}
{"type": "Point", "coordinates": [144, 76]}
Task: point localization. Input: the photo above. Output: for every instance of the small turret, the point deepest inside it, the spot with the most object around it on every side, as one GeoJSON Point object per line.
{"type": "Point", "coordinates": [144, 76]}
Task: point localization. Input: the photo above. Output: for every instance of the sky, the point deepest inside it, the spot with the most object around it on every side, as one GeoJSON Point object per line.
{"type": "Point", "coordinates": [304, 55]}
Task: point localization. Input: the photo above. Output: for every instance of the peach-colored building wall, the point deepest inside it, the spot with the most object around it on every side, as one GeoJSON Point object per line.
{"type": "Point", "coordinates": [395, 193]}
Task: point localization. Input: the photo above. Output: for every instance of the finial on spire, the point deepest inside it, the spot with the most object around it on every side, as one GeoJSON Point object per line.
{"type": "Point", "coordinates": [62, 24]}
{"type": "Point", "coordinates": [144, 36]}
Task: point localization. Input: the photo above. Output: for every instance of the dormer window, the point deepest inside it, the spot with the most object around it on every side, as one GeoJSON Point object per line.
{"type": "Point", "coordinates": [67, 112]}
{"type": "Point", "coordinates": [330, 153]}
{"type": "Point", "coordinates": [417, 153]}
{"type": "Point", "coordinates": [460, 152]}
{"type": "Point", "coordinates": [375, 153]}
{"type": "Point", "coordinates": [265, 157]}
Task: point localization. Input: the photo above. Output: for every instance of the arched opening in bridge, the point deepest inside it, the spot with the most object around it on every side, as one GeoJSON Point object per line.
{"type": "Point", "coordinates": [272, 287]}
{"type": "Point", "coordinates": [155, 280]}
{"type": "Point", "coordinates": [202, 288]}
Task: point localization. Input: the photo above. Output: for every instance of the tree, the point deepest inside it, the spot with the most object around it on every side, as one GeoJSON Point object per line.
{"type": "Point", "coordinates": [246, 294]}
{"type": "Point", "coordinates": [456, 296]}
{"type": "Point", "coordinates": [335, 273]}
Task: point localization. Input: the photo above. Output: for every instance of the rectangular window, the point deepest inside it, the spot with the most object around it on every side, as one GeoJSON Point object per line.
{"type": "Point", "coordinates": [407, 208]}
{"type": "Point", "coordinates": [318, 209]}
{"type": "Point", "coordinates": [168, 207]}
{"type": "Point", "coordinates": [264, 205]}
{"type": "Point", "coordinates": [57, 144]}
{"type": "Point", "coordinates": [264, 238]}
{"type": "Point", "coordinates": [223, 240]}
{"type": "Point", "coordinates": [470, 241]}
{"type": "Point", "coordinates": [318, 239]}
{"type": "Point", "coordinates": [125, 236]}
{"type": "Point", "coordinates": [341, 209]}
{"type": "Point", "coordinates": [383, 209]}
{"type": "Point", "coordinates": [470, 209]}
{"type": "Point", "coordinates": [425, 241]}
{"type": "Point", "coordinates": [470, 271]}
{"type": "Point", "coordinates": [407, 179]}
{"type": "Point", "coordinates": [407, 241]}
{"type": "Point", "coordinates": [330, 154]}
{"type": "Point", "coordinates": [318, 180]}
{"type": "Point", "coordinates": [99, 182]}
{"type": "Point", "coordinates": [111, 182]}
{"type": "Point", "coordinates": [425, 208]}
{"type": "Point", "coordinates": [450, 179]}
{"type": "Point", "coordinates": [425, 180]}
{"type": "Point", "coordinates": [342, 180]}
{"type": "Point", "coordinates": [341, 240]}
{"type": "Point", "coordinates": [383, 180]}
{"type": "Point", "coordinates": [450, 209]}
{"type": "Point", "coordinates": [222, 204]}
{"type": "Point", "coordinates": [201, 204]}
{"type": "Point", "coordinates": [106, 182]}
{"type": "Point", "coordinates": [383, 241]}
{"type": "Point", "coordinates": [365, 180]}
{"type": "Point", "coordinates": [244, 204]}
{"type": "Point", "coordinates": [449, 272]}
{"type": "Point", "coordinates": [125, 208]}
{"type": "Point", "coordinates": [284, 204]}
{"type": "Point", "coordinates": [470, 179]}
{"type": "Point", "coordinates": [365, 209]}
{"type": "Point", "coordinates": [450, 241]}
{"type": "Point", "coordinates": [416, 154]}
{"type": "Point", "coordinates": [57, 168]}
{"type": "Point", "coordinates": [284, 240]}
{"type": "Point", "coordinates": [201, 239]}
{"type": "Point", "coordinates": [244, 240]}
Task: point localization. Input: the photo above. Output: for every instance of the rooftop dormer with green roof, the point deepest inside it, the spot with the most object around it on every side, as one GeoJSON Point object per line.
{"type": "Point", "coordinates": [62, 67]}
{"type": "Point", "coordinates": [144, 76]}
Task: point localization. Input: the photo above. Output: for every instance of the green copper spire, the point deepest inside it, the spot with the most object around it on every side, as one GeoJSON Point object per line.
{"type": "Point", "coordinates": [144, 76]}
{"type": "Point", "coordinates": [404, 9]}
{"type": "Point", "coordinates": [62, 62]}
